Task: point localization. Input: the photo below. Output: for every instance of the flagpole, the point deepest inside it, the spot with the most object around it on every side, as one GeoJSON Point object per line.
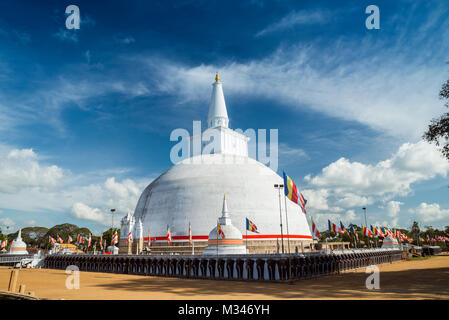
{"type": "Point", "coordinates": [246, 234]}
{"type": "Point", "coordinates": [217, 242]}
{"type": "Point", "coordinates": [278, 186]}
{"type": "Point", "coordinates": [311, 225]}
{"type": "Point", "coordinates": [286, 219]}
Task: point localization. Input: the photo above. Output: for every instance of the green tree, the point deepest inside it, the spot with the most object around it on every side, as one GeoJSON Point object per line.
{"type": "Point", "coordinates": [414, 232]}
{"type": "Point", "coordinates": [107, 235]}
{"type": "Point", "coordinates": [439, 127]}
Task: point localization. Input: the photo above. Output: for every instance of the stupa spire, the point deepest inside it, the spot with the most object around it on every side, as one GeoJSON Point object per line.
{"type": "Point", "coordinates": [218, 115]}
{"type": "Point", "coordinates": [224, 211]}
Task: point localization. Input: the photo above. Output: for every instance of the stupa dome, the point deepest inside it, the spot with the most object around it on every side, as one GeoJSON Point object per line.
{"type": "Point", "coordinates": [230, 241]}
{"type": "Point", "coordinates": [390, 243]}
{"type": "Point", "coordinates": [190, 192]}
{"type": "Point", "coordinates": [18, 246]}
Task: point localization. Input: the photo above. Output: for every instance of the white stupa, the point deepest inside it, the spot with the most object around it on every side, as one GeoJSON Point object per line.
{"type": "Point", "coordinates": [232, 240]}
{"type": "Point", "coordinates": [191, 192]}
{"type": "Point", "coordinates": [390, 243]}
{"type": "Point", "coordinates": [18, 246]}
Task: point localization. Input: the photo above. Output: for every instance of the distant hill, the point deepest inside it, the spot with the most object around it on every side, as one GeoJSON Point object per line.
{"type": "Point", "coordinates": [31, 235]}
{"type": "Point", "coordinates": [38, 236]}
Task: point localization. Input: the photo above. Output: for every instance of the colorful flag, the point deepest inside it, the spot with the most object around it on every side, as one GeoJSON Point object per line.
{"type": "Point", "coordinates": [332, 226]}
{"type": "Point", "coordinates": [149, 238]}
{"type": "Point", "coordinates": [381, 233]}
{"type": "Point", "coordinates": [190, 234]}
{"type": "Point", "coordinates": [89, 240]}
{"type": "Point", "coordinates": [354, 232]}
{"type": "Point", "coordinates": [115, 238]}
{"type": "Point", "coordinates": [130, 237]}
{"type": "Point", "coordinates": [315, 231]}
{"type": "Point", "coordinates": [101, 242]}
{"type": "Point", "coordinates": [367, 232]}
{"type": "Point", "coordinates": [342, 229]}
{"type": "Point", "coordinates": [60, 239]}
{"type": "Point", "coordinates": [250, 226]}
{"type": "Point", "coordinates": [168, 235]}
{"type": "Point", "coordinates": [69, 239]}
{"type": "Point", "coordinates": [4, 243]}
{"type": "Point", "coordinates": [292, 192]}
{"type": "Point", "coordinates": [220, 231]}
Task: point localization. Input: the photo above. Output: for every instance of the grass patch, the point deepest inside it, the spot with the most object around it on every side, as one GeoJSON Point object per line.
{"type": "Point", "coordinates": [419, 258]}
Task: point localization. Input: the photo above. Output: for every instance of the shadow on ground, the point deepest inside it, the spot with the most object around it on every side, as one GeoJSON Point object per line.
{"type": "Point", "coordinates": [408, 284]}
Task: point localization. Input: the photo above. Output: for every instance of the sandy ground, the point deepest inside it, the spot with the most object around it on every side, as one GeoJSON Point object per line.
{"type": "Point", "coordinates": [416, 279]}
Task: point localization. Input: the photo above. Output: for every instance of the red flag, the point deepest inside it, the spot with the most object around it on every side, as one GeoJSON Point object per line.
{"type": "Point", "coordinates": [315, 231]}
{"type": "Point", "coordinates": [220, 231]}
{"type": "Point", "coordinates": [190, 234]}
{"type": "Point", "coordinates": [115, 238]}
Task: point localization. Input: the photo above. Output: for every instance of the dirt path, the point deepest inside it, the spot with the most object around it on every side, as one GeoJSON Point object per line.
{"type": "Point", "coordinates": [417, 279]}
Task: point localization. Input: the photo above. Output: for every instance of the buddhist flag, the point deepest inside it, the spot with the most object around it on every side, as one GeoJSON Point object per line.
{"type": "Point", "coordinates": [367, 232]}
{"type": "Point", "coordinates": [4, 243]}
{"type": "Point", "coordinates": [342, 229]}
{"type": "Point", "coordinates": [292, 192]}
{"type": "Point", "coordinates": [220, 231]}
{"type": "Point", "coordinates": [250, 226]}
{"type": "Point", "coordinates": [115, 238]}
{"type": "Point", "coordinates": [332, 226]}
{"type": "Point", "coordinates": [168, 235]}
{"type": "Point", "coordinates": [89, 240]}
{"type": "Point", "coordinates": [315, 231]}
{"type": "Point", "coordinates": [69, 239]}
{"type": "Point", "coordinates": [60, 239]}
{"type": "Point", "coordinates": [190, 234]}
{"type": "Point", "coordinates": [354, 232]}
{"type": "Point", "coordinates": [101, 242]}
{"type": "Point", "coordinates": [130, 237]}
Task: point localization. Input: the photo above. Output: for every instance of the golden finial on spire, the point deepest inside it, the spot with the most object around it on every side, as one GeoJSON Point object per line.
{"type": "Point", "coordinates": [217, 78]}
{"type": "Point", "coordinates": [224, 197]}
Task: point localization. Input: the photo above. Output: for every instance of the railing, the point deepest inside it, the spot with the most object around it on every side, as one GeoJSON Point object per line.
{"type": "Point", "coordinates": [271, 267]}
{"type": "Point", "coordinates": [13, 258]}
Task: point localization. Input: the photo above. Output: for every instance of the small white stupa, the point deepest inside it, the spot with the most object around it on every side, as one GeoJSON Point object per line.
{"type": "Point", "coordinates": [390, 243]}
{"type": "Point", "coordinates": [18, 246]}
{"type": "Point", "coordinates": [231, 239]}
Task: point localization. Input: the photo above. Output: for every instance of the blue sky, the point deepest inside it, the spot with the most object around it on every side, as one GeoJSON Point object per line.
{"type": "Point", "coordinates": [86, 115]}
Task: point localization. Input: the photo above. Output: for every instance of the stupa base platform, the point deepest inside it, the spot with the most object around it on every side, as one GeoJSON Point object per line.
{"type": "Point", "coordinates": [273, 267]}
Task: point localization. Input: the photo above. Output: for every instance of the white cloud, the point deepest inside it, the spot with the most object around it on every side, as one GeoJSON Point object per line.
{"type": "Point", "coordinates": [344, 184]}
{"type": "Point", "coordinates": [430, 212]}
{"type": "Point", "coordinates": [124, 40]}
{"type": "Point", "coordinates": [66, 35]}
{"type": "Point", "coordinates": [287, 151]}
{"type": "Point", "coordinates": [351, 200]}
{"type": "Point", "coordinates": [393, 209]}
{"type": "Point", "coordinates": [377, 83]}
{"type": "Point", "coordinates": [82, 211]}
{"type": "Point", "coordinates": [411, 163]}
{"type": "Point", "coordinates": [296, 18]}
{"type": "Point", "coordinates": [29, 186]}
{"type": "Point", "coordinates": [20, 169]}
{"type": "Point", "coordinates": [316, 199]}
{"type": "Point", "coordinates": [6, 224]}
